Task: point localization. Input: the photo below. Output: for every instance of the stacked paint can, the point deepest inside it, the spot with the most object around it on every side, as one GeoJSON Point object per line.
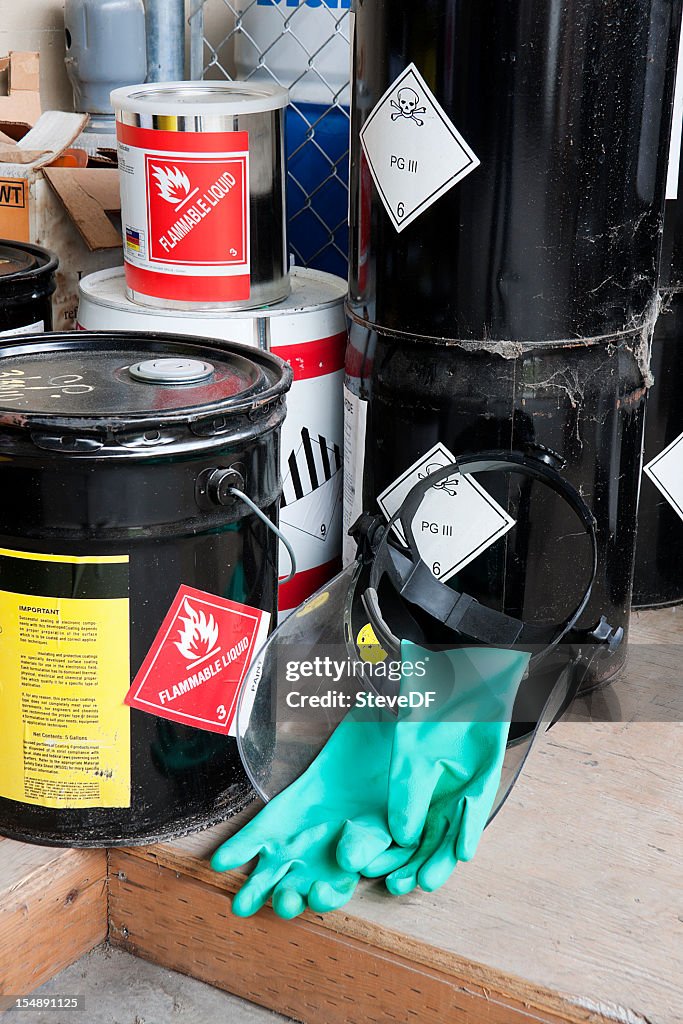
{"type": "Point", "coordinates": [202, 168]}
{"type": "Point", "coordinates": [659, 555]}
{"type": "Point", "coordinates": [507, 193]}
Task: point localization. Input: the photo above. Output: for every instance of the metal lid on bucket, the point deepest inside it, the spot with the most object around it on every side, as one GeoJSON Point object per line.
{"type": "Point", "coordinates": [178, 99]}
{"type": "Point", "coordinates": [108, 382]}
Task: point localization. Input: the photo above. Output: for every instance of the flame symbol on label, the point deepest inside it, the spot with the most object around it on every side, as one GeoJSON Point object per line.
{"type": "Point", "coordinates": [173, 184]}
{"type": "Point", "coordinates": [199, 635]}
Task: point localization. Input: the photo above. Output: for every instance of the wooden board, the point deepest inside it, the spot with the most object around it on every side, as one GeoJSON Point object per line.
{"type": "Point", "coordinates": [333, 970]}
{"type": "Point", "coordinates": [53, 909]}
{"type": "Point", "coordinates": [571, 910]}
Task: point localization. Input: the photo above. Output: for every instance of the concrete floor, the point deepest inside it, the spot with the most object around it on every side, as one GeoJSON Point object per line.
{"type": "Point", "coordinates": [121, 989]}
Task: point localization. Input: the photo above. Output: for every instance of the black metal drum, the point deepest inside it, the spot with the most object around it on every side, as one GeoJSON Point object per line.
{"type": "Point", "coordinates": [27, 281]}
{"type": "Point", "coordinates": [567, 107]}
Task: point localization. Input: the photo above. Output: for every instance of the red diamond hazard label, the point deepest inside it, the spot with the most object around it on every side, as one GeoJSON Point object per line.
{"type": "Point", "coordinates": [198, 662]}
{"type": "Point", "coordinates": [198, 210]}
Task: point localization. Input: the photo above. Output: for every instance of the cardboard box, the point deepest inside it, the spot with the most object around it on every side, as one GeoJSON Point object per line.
{"type": "Point", "coordinates": [73, 211]}
{"type": "Point", "coordinates": [21, 105]}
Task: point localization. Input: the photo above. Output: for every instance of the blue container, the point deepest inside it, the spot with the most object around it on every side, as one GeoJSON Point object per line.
{"type": "Point", "coordinates": [317, 185]}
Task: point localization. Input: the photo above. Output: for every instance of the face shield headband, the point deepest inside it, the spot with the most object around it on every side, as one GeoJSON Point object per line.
{"type": "Point", "coordinates": [392, 591]}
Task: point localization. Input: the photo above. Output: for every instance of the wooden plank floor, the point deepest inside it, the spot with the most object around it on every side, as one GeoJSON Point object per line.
{"type": "Point", "coordinates": [571, 910]}
{"type": "Point", "coordinates": [53, 909]}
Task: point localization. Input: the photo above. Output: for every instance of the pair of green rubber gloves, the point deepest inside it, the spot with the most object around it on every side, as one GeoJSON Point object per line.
{"type": "Point", "coordinates": [404, 797]}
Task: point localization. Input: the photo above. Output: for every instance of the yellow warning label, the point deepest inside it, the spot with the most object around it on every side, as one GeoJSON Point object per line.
{"type": "Point", "coordinates": [64, 671]}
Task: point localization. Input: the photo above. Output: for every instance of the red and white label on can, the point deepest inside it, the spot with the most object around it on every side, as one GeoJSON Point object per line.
{"type": "Point", "coordinates": [312, 457]}
{"type": "Point", "coordinates": [194, 670]}
{"type": "Point", "coordinates": [185, 213]}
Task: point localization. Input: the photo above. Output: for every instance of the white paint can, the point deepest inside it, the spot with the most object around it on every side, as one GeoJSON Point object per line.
{"type": "Point", "coordinates": [202, 173]}
{"type": "Point", "coordinates": [308, 329]}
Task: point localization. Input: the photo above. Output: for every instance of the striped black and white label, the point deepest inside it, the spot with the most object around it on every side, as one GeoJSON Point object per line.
{"type": "Point", "coordinates": [457, 519]}
{"type": "Point", "coordinates": [312, 484]}
{"type": "Point", "coordinates": [666, 473]}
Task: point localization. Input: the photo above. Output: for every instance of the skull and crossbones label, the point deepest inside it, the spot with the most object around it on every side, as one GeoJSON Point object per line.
{"type": "Point", "coordinates": [406, 105]}
{"type": "Point", "coordinates": [407, 181]}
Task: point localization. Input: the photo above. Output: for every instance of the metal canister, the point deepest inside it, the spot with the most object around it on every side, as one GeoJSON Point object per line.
{"type": "Point", "coordinates": [579, 405]}
{"type": "Point", "coordinates": [202, 172]}
{"type": "Point", "coordinates": [137, 577]}
{"type": "Point", "coordinates": [27, 281]}
{"type": "Point", "coordinates": [93, 65]}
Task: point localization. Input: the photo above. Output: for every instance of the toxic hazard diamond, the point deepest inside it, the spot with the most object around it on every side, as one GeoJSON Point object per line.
{"type": "Point", "coordinates": [198, 209]}
{"type": "Point", "coordinates": [195, 668]}
{"type": "Point", "coordinates": [414, 152]}
{"type": "Point", "coordinates": [456, 520]}
{"type": "Point", "coordinates": [666, 473]}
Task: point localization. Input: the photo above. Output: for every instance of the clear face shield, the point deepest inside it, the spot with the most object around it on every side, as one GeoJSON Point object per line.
{"type": "Point", "coordinates": [343, 649]}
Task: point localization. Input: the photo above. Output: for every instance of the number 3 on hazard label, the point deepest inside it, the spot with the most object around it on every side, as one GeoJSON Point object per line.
{"type": "Point", "coordinates": [221, 713]}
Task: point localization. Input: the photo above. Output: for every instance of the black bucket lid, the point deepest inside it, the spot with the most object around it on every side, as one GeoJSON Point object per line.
{"type": "Point", "coordinates": [24, 267]}
{"type": "Point", "coordinates": [109, 383]}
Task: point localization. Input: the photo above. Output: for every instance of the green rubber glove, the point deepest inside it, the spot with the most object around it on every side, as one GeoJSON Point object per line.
{"type": "Point", "coordinates": [313, 838]}
{"type": "Point", "coordinates": [446, 761]}
{"type": "Point", "coordinates": [435, 859]}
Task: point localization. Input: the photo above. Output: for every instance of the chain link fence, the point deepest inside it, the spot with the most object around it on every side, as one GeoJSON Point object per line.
{"type": "Point", "coordinates": [304, 47]}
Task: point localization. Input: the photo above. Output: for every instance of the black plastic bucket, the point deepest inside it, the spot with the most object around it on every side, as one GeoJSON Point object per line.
{"type": "Point", "coordinates": [27, 281]}
{"type": "Point", "coordinates": [581, 406]}
{"type": "Point", "coordinates": [118, 455]}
